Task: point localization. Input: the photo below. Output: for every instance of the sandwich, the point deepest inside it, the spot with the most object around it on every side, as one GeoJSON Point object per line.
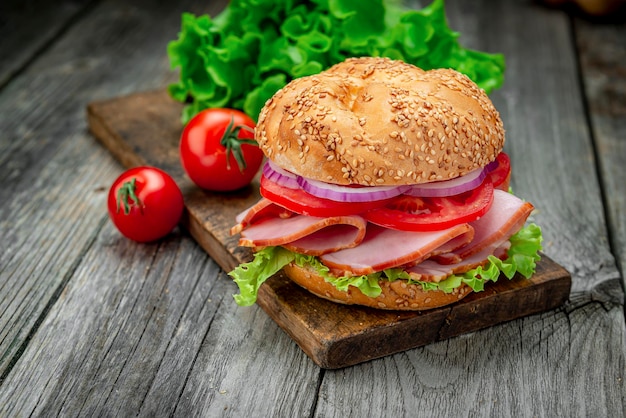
{"type": "Point", "coordinates": [385, 186]}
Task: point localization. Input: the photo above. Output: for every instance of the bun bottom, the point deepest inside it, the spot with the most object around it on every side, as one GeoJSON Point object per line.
{"type": "Point", "coordinates": [396, 295]}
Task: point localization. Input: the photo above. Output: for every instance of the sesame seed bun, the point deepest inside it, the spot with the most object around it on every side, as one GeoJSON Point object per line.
{"type": "Point", "coordinates": [376, 121]}
{"type": "Point", "coordinates": [396, 295]}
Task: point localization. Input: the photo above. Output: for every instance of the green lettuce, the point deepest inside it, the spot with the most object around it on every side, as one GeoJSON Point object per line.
{"type": "Point", "coordinates": [522, 258]}
{"type": "Point", "coordinates": [250, 276]}
{"type": "Point", "coordinates": [245, 54]}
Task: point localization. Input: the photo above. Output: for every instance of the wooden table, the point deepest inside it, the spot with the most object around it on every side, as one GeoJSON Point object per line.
{"type": "Point", "coordinates": [93, 324]}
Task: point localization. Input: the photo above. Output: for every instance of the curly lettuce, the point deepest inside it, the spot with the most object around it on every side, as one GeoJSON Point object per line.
{"type": "Point", "coordinates": [245, 54]}
{"type": "Point", "coordinates": [522, 258]}
{"type": "Point", "coordinates": [250, 276]}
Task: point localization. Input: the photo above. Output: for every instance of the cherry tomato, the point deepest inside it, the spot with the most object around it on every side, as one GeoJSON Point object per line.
{"type": "Point", "coordinates": [410, 213]}
{"type": "Point", "coordinates": [218, 151]}
{"type": "Point", "coordinates": [501, 174]}
{"type": "Point", "coordinates": [299, 201]}
{"type": "Point", "coordinates": [145, 203]}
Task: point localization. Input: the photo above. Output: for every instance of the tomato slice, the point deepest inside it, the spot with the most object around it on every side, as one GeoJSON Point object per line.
{"type": "Point", "coordinates": [299, 201]}
{"type": "Point", "coordinates": [410, 213]}
{"type": "Point", "coordinates": [501, 174]}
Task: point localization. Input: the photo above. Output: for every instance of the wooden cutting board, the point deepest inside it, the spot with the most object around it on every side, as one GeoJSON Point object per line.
{"type": "Point", "coordinates": [144, 129]}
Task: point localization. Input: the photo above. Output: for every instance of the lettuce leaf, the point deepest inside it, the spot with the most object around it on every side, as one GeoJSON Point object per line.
{"type": "Point", "coordinates": [242, 56]}
{"type": "Point", "coordinates": [367, 284]}
{"type": "Point", "coordinates": [522, 258]}
{"type": "Point", "coordinates": [250, 276]}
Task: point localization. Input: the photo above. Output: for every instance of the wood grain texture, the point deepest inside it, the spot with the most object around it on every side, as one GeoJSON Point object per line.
{"type": "Point", "coordinates": [143, 129]}
{"type": "Point", "coordinates": [567, 362]}
{"type": "Point", "coordinates": [93, 323]}
{"type": "Point", "coordinates": [513, 370]}
{"type": "Point", "coordinates": [54, 176]}
{"type": "Point", "coordinates": [23, 39]}
{"type": "Point", "coordinates": [548, 136]}
{"type": "Point", "coordinates": [156, 321]}
{"type": "Point", "coordinates": [602, 52]}
{"type": "Point", "coordinates": [68, 304]}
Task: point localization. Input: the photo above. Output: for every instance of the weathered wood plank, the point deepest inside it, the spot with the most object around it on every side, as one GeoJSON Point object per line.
{"type": "Point", "coordinates": [560, 363]}
{"type": "Point", "coordinates": [602, 51]}
{"type": "Point", "coordinates": [153, 329]}
{"type": "Point", "coordinates": [548, 137]}
{"type": "Point", "coordinates": [113, 327]}
{"type": "Point", "coordinates": [564, 362]}
{"type": "Point", "coordinates": [44, 232]}
{"type": "Point", "coordinates": [537, 366]}
{"type": "Point", "coordinates": [28, 27]}
{"type": "Point", "coordinates": [54, 175]}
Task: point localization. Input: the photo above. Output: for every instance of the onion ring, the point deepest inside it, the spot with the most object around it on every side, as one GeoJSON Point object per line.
{"type": "Point", "coordinates": [280, 176]}
{"type": "Point", "coordinates": [353, 194]}
{"type": "Point", "coordinates": [451, 187]}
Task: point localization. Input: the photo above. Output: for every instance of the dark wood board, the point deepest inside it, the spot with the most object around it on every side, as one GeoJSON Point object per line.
{"type": "Point", "coordinates": [144, 128]}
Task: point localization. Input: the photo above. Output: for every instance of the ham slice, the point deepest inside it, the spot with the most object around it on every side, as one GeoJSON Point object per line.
{"type": "Point", "coordinates": [506, 216]}
{"type": "Point", "coordinates": [384, 248]}
{"type": "Point", "coordinates": [431, 271]}
{"type": "Point", "coordinates": [261, 210]}
{"type": "Point", "coordinates": [306, 234]}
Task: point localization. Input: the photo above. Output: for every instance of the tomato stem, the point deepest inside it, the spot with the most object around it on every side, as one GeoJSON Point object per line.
{"type": "Point", "coordinates": [232, 143]}
{"type": "Point", "coordinates": [126, 191]}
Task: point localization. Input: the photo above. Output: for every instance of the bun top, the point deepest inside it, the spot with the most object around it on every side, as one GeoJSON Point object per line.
{"type": "Point", "coordinates": [376, 121]}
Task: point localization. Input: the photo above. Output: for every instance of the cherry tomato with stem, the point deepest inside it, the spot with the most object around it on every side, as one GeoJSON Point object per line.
{"type": "Point", "coordinates": [145, 203]}
{"type": "Point", "coordinates": [218, 150]}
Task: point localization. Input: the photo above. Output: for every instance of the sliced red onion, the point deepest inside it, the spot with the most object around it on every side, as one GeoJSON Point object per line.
{"type": "Point", "coordinates": [492, 166]}
{"type": "Point", "coordinates": [451, 187]}
{"type": "Point", "coordinates": [356, 194]}
{"type": "Point", "coordinates": [352, 194]}
{"type": "Point", "coordinates": [280, 176]}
